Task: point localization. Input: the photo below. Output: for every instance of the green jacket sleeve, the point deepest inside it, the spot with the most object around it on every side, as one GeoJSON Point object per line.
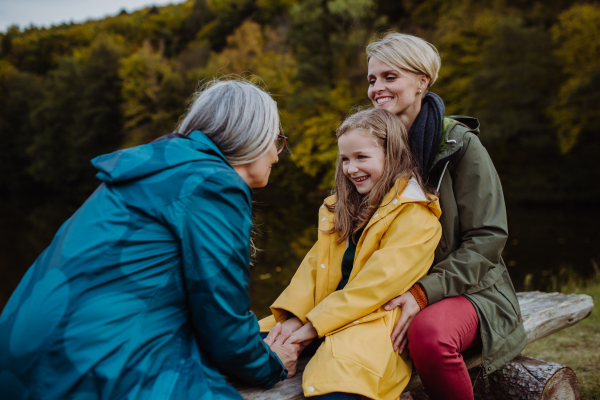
{"type": "Point", "coordinates": [483, 227]}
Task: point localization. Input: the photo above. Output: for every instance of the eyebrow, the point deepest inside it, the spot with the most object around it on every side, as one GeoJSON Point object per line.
{"type": "Point", "coordinates": [355, 153]}
{"type": "Point", "coordinates": [390, 71]}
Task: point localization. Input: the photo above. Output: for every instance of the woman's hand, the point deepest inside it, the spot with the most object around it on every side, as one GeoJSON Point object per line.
{"type": "Point", "coordinates": [304, 335]}
{"type": "Point", "coordinates": [410, 309]}
{"type": "Point", "coordinates": [287, 352]}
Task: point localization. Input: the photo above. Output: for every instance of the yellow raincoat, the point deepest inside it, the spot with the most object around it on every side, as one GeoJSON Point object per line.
{"type": "Point", "coordinates": [395, 250]}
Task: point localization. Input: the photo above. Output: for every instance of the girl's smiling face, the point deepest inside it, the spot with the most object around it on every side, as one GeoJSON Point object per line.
{"type": "Point", "coordinates": [363, 160]}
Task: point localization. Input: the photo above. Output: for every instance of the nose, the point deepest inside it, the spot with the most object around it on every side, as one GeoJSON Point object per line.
{"type": "Point", "coordinates": [352, 169]}
{"type": "Point", "coordinates": [378, 85]}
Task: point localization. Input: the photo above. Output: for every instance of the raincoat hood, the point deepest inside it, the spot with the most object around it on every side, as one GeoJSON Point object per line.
{"type": "Point", "coordinates": [142, 161]}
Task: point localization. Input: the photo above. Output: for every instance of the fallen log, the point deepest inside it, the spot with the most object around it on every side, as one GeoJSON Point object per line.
{"type": "Point", "coordinates": [527, 378]}
{"type": "Point", "coordinates": [290, 389]}
{"type": "Point", "coordinates": [543, 314]}
{"type": "Point", "coordinates": [524, 378]}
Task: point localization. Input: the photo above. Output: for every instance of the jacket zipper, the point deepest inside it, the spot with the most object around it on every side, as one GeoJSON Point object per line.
{"type": "Point", "coordinates": [486, 382]}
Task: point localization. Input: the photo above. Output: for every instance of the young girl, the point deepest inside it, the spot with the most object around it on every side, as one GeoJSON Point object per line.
{"type": "Point", "coordinates": [379, 227]}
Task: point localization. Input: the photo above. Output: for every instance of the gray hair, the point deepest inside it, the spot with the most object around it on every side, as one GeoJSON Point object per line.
{"type": "Point", "coordinates": [239, 117]}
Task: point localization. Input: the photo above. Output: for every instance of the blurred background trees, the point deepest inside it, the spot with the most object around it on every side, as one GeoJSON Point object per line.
{"type": "Point", "coordinates": [528, 70]}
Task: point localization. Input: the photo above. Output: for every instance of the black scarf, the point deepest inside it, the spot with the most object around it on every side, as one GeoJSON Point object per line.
{"type": "Point", "coordinates": [426, 131]}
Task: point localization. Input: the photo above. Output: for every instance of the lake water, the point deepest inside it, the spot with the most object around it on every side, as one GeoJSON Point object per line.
{"type": "Point", "coordinates": [548, 244]}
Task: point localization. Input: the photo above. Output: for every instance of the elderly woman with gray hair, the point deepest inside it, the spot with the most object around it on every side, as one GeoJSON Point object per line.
{"type": "Point", "coordinates": [143, 292]}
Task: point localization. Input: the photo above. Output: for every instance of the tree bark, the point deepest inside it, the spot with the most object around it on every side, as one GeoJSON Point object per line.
{"type": "Point", "coordinates": [527, 378]}
{"type": "Point", "coordinates": [289, 389]}
{"type": "Point", "coordinates": [524, 378]}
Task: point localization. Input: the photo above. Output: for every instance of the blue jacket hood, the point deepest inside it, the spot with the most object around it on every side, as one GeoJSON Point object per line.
{"type": "Point", "coordinates": [145, 160]}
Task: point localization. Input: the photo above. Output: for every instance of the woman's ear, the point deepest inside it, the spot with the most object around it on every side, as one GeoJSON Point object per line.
{"type": "Point", "coordinates": [424, 82]}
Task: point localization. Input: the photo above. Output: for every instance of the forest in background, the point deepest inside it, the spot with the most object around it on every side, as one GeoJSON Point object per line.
{"type": "Point", "coordinates": [528, 70]}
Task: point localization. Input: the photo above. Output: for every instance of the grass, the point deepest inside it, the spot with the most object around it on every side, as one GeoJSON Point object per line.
{"type": "Point", "coordinates": [577, 347]}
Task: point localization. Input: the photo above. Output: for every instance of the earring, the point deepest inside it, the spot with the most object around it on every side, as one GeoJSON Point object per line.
{"type": "Point", "coordinates": [420, 91]}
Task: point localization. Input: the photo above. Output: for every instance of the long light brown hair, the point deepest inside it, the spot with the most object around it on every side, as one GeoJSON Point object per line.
{"type": "Point", "coordinates": [352, 209]}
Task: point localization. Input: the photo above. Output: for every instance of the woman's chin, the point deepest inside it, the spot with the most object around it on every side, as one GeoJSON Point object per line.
{"type": "Point", "coordinates": [259, 185]}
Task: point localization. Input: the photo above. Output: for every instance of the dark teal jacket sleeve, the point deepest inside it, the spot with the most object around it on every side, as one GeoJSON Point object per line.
{"type": "Point", "coordinates": [215, 229]}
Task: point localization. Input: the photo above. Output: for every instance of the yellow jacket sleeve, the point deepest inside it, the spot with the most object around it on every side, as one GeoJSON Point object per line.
{"type": "Point", "coordinates": [299, 297]}
{"type": "Point", "coordinates": [405, 254]}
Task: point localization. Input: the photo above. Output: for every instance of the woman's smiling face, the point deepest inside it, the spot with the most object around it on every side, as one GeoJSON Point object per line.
{"type": "Point", "coordinates": [394, 91]}
{"type": "Point", "coordinates": [363, 160]}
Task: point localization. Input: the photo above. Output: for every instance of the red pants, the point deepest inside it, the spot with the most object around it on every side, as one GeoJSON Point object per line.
{"type": "Point", "coordinates": [436, 337]}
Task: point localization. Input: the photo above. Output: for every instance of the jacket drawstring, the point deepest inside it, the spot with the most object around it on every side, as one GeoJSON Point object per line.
{"type": "Point", "coordinates": [441, 176]}
{"type": "Point", "coordinates": [445, 166]}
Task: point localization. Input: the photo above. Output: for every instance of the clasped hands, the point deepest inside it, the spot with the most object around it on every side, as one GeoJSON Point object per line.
{"type": "Point", "coordinates": [288, 340]}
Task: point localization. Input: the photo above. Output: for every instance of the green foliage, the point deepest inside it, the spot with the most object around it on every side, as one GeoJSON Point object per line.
{"type": "Point", "coordinates": [310, 42]}
{"type": "Point", "coordinates": [78, 117]}
{"type": "Point", "coordinates": [460, 39]}
{"type": "Point", "coordinates": [52, 151]}
{"type": "Point", "coordinates": [516, 74]}
{"type": "Point", "coordinates": [19, 94]}
{"type": "Point", "coordinates": [153, 96]}
{"type": "Point", "coordinates": [355, 9]}
{"type": "Point", "coordinates": [576, 106]}
{"type": "Point", "coordinates": [199, 17]}
{"type": "Point", "coordinates": [229, 15]}
{"type": "Point", "coordinates": [99, 120]}
{"type": "Point", "coordinates": [527, 71]}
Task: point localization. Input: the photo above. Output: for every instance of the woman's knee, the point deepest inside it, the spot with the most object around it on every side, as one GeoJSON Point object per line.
{"type": "Point", "coordinates": [424, 329]}
{"type": "Point", "coordinates": [426, 336]}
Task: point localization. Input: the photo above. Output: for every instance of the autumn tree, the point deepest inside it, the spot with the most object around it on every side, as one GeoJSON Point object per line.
{"type": "Point", "coordinates": [154, 96]}
{"type": "Point", "coordinates": [577, 35]}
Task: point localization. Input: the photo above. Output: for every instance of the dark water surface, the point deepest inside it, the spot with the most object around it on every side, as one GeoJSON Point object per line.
{"type": "Point", "coordinates": [548, 244]}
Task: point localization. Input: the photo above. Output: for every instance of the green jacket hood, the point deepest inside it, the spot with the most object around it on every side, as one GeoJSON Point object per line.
{"type": "Point", "coordinates": [454, 129]}
{"type": "Point", "coordinates": [469, 122]}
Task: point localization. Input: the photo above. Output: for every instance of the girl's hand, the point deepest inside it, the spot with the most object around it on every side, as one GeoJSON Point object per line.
{"type": "Point", "coordinates": [303, 336]}
{"type": "Point", "coordinates": [292, 324]}
{"type": "Point", "coordinates": [410, 309]}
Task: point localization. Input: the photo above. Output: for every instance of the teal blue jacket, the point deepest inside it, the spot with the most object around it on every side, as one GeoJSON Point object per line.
{"type": "Point", "coordinates": [143, 292]}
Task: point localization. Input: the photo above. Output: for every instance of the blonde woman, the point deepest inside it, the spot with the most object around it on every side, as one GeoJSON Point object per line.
{"type": "Point", "coordinates": [467, 300]}
{"type": "Point", "coordinates": [377, 236]}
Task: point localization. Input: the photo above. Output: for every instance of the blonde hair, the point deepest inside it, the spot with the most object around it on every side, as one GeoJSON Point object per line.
{"type": "Point", "coordinates": [239, 117]}
{"type": "Point", "coordinates": [406, 52]}
{"type": "Point", "coordinates": [353, 210]}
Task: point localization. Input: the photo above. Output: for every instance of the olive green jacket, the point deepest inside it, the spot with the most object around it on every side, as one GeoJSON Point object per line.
{"type": "Point", "coordinates": [474, 231]}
